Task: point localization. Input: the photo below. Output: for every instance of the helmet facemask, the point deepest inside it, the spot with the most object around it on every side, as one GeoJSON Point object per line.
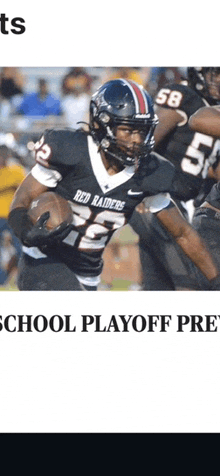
{"type": "Point", "coordinates": [103, 128]}
{"type": "Point", "coordinates": [212, 81]}
{"type": "Point", "coordinates": [206, 82]}
{"type": "Point", "coordinates": [129, 153]}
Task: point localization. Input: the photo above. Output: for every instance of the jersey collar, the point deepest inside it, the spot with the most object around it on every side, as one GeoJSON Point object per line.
{"type": "Point", "coordinates": [106, 182]}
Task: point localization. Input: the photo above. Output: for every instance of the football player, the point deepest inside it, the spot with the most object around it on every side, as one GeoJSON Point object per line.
{"type": "Point", "coordinates": [206, 218]}
{"type": "Point", "coordinates": [104, 173]}
{"type": "Point", "coordinates": [195, 157]}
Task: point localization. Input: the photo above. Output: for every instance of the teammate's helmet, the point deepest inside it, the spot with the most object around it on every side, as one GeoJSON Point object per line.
{"type": "Point", "coordinates": [210, 90]}
{"type": "Point", "coordinates": [124, 102]}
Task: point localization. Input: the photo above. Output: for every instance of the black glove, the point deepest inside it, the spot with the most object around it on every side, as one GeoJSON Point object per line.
{"type": "Point", "coordinates": [215, 283]}
{"type": "Point", "coordinates": [38, 235]}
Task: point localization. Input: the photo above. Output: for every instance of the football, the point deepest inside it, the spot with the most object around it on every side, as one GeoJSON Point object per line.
{"type": "Point", "coordinates": [59, 208]}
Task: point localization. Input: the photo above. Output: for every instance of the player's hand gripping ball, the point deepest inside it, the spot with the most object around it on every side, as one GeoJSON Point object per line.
{"type": "Point", "coordinates": [51, 216]}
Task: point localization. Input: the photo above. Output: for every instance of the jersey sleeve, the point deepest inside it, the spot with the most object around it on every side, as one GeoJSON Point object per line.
{"type": "Point", "coordinates": [55, 152]}
{"type": "Point", "coordinates": [56, 149]}
{"type": "Point", "coordinates": [177, 97]}
{"type": "Point", "coordinates": [159, 176]}
{"type": "Point", "coordinates": [157, 183]}
{"type": "Point", "coordinates": [48, 177]}
{"type": "Point", "coordinates": [158, 202]}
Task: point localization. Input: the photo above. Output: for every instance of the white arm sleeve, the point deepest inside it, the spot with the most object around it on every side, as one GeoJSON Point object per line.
{"type": "Point", "coordinates": [156, 203]}
{"type": "Point", "coordinates": [47, 177]}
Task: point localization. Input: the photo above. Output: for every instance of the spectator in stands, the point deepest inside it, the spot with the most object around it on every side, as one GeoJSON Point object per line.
{"type": "Point", "coordinates": [8, 259]}
{"type": "Point", "coordinates": [132, 73]}
{"type": "Point", "coordinates": [11, 82]}
{"type": "Point", "coordinates": [40, 103]}
{"type": "Point", "coordinates": [75, 101]}
{"type": "Point", "coordinates": [160, 76]}
{"type": "Point", "coordinates": [11, 90]}
{"type": "Point", "coordinates": [69, 81]}
{"type": "Point", "coordinates": [10, 177]}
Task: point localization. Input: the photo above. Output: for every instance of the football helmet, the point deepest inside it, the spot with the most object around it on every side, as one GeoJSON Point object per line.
{"type": "Point", "coordinates": [122, 102]}
{"type": "Point", "coordinates": [209, 88]}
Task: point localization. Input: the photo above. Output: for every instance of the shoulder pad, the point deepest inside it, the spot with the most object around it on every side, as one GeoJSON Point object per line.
{"type": "Point", "coordinates": [159, 160]}
{"type": "Point", "coordinates": [176, 96]}
{"type": "Point", "coordinates": [159, 174]}
{"type": "Point", "coordinates": [58, 146]}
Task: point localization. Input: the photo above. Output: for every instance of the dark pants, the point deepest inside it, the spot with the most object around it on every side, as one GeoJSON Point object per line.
{"type": "Point", "coordinates": [46, 274]}
{"type": "Point", "coordinates": [207, 222]}
{"type": "Point", "coordinates": [164, 265]}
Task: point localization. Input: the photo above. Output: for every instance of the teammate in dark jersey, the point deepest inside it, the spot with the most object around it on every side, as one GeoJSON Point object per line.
{"type": "Point", "coordinates": [194, 155]}
{"type": "Point", "coordinates": [206, 217]}
{"type": "Point", "coordinates": [104, 174]}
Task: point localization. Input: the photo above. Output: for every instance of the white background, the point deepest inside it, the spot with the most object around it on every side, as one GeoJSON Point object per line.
{"type": "Point", "coordinates": [110, 382]}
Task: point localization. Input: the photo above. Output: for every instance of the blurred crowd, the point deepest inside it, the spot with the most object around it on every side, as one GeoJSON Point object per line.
{"type": "Point", "coordinates": [24, 113]}
{"type": "Point", "coordinates": [69, 102]}
{"type": "Point", "coordinates": [60, 97]}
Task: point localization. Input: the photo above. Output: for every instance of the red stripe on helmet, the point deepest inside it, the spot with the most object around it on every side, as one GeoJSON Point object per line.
{"type": "Point", "coordinates": [140, 97]}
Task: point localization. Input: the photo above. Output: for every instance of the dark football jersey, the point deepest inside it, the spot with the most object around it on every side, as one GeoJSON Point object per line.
{"type": "Point", "coordinates": [191, 152]}
{"type": "Point", "coordinates": [69, 162]}
{"type": "Point", "coordinates": [214, 196]}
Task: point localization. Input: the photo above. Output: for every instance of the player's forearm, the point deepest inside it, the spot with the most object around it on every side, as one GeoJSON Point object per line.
{"type": "Point", "coordinates": [195, 249]}
{"type": "Point", "coordinates": [26, 192]}
{"type": "Point", "coordinates": [207, 121]}
{"type": "Point", "coordinates": [189, 240]}
{"type": "Point", "coordinates": [20, 199]}
{"type": "Point", "coordinates": [18, 217]}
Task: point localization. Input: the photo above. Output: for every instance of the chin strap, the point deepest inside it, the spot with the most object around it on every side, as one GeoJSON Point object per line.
{"type": "Point", "coordinates": [125, 161]}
